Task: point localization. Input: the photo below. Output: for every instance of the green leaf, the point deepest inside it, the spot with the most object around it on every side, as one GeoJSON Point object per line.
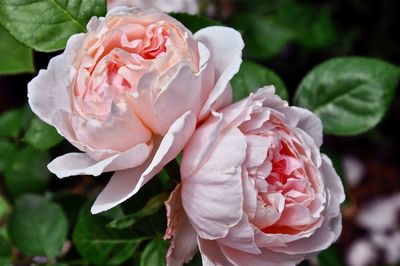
{"type": "Point", "coordinates": [27, 172]}
{"type": "Point", "coordinates": [46, 25]}
{"type": "Point", "coordinates": [5, 252]}
{"type": "Point", "coordinates": [154, 253]}
{"type": "Point", "coordinates": [151, 207]}
{"type": "Point", "coordinates": [38, 227]}
{"type": "Point", "coordinates": [16, 57]}
{"type": "Point", "coordinates": [7, 150]}
{"type": "Point", "coordinates": [4, 209]}
{"type": "Point", "coordinates": [263, 37]}
{"type": "Point", "coordinates": [194, 22]}
{"type": "Point", "coordinates": [252, 76]}
{"type": "Point", "coordinates": [329, 257]}
{"type": "Point", "coordinates": [103, 246]}
{"type": "Point", "coordinates": [41, 135]}
{"type": "Point", "coordinates": [10, 123]}
{"type": "Point", "coordinates": [311, 27]}
{"type": "Point", "coordinates": [350, 95]}
{"type": "Point", "coordinates": [14, 121]}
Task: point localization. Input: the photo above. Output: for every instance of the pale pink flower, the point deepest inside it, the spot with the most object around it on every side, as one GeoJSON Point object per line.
{"type": "Point", "coordinates": [129, 92]}
{"type": "Point", "coordinates": [255, 188]}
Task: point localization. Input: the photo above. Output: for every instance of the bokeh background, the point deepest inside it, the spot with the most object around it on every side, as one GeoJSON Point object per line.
{"type": "Point", "coordinates": [289, 37]}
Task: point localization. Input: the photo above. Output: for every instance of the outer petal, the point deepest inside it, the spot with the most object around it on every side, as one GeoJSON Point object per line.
{"type": "Point", "coordinates": [321, 239]}
{"type": "Point", "coordinates": [81, 164]}
{"type": "Point", "coordinates": [332, 183]}
{"type": "Point", "coordinates": [121, 131]}
{"type": "Point", "coordinates": [184, 239]}
{"type": "Point", "coordinates": [201, 145]}
{"type": "Point", "coordinates": [225, 45]}
{"type": "Point", "coordinates": [310, 123]}
{"type": "Point", "coordinates": [182, 93]}
{"type": "Point", "coordinates": [49, 90]}
{"type": "Point", "coordinates": [211, 209]}
{"type": "Point", "coordinates": [211, 254]}
{"type": "Point", "coordinates": [267, 258]}
{"type": "Point", "coordinates": [241, 236]}
{"type": "Point", "coordinates": [125, 184]}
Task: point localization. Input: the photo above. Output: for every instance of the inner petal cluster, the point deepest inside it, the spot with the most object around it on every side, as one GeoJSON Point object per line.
{"type": "Point", "coordinates": [289, 200]}
{"type": "Point", "coordinates": [116, 55]}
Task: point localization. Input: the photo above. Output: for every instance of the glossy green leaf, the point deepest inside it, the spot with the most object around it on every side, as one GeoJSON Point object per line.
{"type": "Point", "coordinates": [38, 227]}
{"type": "Point", "coordinates": [350, 95]}
{"type": "Point", "coordinates": [101, 245]}
{"type": "Point", "coordinates": [4, 208]}
{"type": "Point", "coordinates": [151, 207]}
{"type": "Point", "coordinates": [194, 22]}
{"type": "Point", "coordinates": [5, 252]}
{"type": "Point", "coordinates": [46, 25]}
{"type": "Point", "coordinates": [252, 76]}
{"type": "Point", "coordinates": [15, 57]}
{"type": "Point", "coordinates": [11, 123]}
{"type": "Point", "coordinates": [27, 172]}
{"type": "Point", "coordinates": [41, 135]}
{"type": "Point", "coordinates": [263, 37]}
{"type": "Point", "coordinates": [154, 253]}
{"type": "Point", "coordinates": [329, 257]}
{"type": "Point", "coordinates": [7, 150]}
{"type": "Point", "coordinates": [311, 27]}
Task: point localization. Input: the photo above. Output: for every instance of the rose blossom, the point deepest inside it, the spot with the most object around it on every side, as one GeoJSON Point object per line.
{"type": "Point", "coordinates": [185, 6]}
{"type": "Point", "coordinates": [129, 92]}
{"type": "Point", "coordinates": [255, 188]}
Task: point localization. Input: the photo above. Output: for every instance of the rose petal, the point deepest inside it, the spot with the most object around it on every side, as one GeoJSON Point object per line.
{"type": "Point", "coordinates": [81, 164]}
{"type": "Point", "coordinates": [212, 210]}
{"type": "Point", "coordinates": [257, 150]}
{"type": "Point", "coordinates": [124, 184]}
{"type": "Point", "coordinates": [211, 254]}
{"type": "Point", "coordinates": [310, 123]}
{"type": "Point", "coordinates": [183, 245]}
{"type": "Point", "coordinates": [333, 184]}
{"type": "Point", "coordinates": [241, 236]}
{"type": "Point", "coordinates": [225, 45]}
{"type": "Point", "coordinates": [48, 91]}
{"type": "Point", "coordinates": [177, 98]}
{"type": "Point", "coordinates": [267, 258]}
{"type": "Point", "coordinates": [204, 137]}
{"type": "Point", "coordinates": [121, 131]}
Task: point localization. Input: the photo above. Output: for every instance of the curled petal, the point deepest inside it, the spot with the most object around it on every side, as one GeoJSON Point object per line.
{"type": "Point", "coordinates": [183, 244]}
{"type": "Point", "coordinates": [211, 253]}
{"type": "Point", "coordinates": [81, 164]}
{"type": "Point", "coordinates": [212, 210]}
{"type": "Point", "coordinates": [124, 184]}
{"type": "Point", "coordinates": [225, 45]}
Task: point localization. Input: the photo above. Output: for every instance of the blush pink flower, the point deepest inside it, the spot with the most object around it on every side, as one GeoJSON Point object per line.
{"type": "Point", "coordinates": [255, 189]}
{"type": "Point", "coordinates": [129, 93]}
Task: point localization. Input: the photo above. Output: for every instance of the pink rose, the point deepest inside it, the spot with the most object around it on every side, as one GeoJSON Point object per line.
{"type": "Point", "coordinates": [255, 188]}
{"type": "Point", "coordinates": [129, 92]}
{"type": "Point", "coordinates": [184, 6]}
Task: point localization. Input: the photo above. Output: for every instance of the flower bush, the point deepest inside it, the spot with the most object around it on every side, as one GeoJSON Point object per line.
{"type": "Point", "coordinates": [186, 147]}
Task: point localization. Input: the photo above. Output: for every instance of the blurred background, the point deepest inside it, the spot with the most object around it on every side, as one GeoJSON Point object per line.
{"type": "Point", "coordinates": [289, 37]}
